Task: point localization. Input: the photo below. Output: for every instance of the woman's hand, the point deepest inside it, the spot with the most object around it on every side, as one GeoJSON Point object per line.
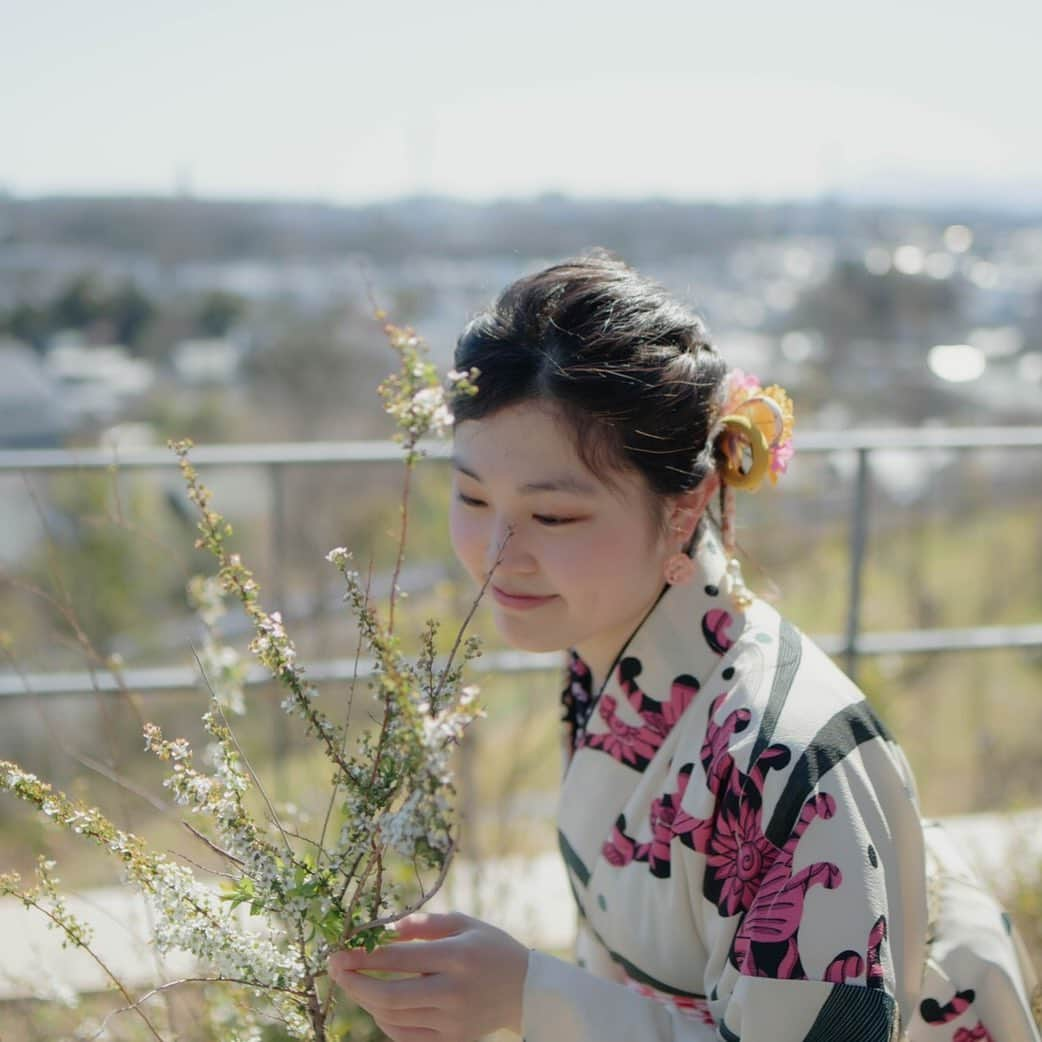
{"type": "Point", "coordinates": [469, 980]}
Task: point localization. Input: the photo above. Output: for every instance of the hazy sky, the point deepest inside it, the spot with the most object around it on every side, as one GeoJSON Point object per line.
{"type": "Point", "coordinates": [349, 101]}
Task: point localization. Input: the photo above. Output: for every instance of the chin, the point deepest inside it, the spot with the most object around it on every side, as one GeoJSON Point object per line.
{"type": "Point", "coordinates": [518, 639]}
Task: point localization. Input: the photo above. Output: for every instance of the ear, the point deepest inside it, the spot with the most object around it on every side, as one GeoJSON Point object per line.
{"type": "Point", "coordinates": [687, 508]}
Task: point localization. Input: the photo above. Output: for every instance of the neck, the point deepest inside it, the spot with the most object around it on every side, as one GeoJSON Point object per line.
{"type": "Point", "coordinates": [600, 653]}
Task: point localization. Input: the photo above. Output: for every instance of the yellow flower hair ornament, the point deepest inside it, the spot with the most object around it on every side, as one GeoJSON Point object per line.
{"type": "Point", "coordinates": [753, 440]}
{"type": "Point", "coordinates": [754, 432]}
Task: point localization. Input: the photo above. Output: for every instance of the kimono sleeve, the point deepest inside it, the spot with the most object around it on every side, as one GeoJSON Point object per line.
{"type": "Point", "coordinates": [564, 1003]}
{"type": "Point", "coordinates": [823, 942]}
{"type": "Point", "coordinates": [830, 946]}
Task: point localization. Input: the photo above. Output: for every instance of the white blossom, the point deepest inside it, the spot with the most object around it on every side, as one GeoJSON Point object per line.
{"type": "Point", "coordinates": [339, 556]}
{"type": "Point", "coordinates": [192, 918]}
{"type": "Point", "coordinates": [206, 595]}
{"type": "Point", "coordinates": [224, 675]}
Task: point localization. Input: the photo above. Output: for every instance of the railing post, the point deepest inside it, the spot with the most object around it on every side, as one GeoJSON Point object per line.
{"type": "Point", "coordinates": [858, 542]}
{"type": "Point", "coordinates": [277, 601]}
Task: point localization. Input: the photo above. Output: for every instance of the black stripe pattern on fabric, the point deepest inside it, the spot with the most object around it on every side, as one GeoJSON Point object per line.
{"type": "Point", "coordinates": [632, 969]}
{"type": "Point", "coordinates": [790, 651]}
{"type": "Point", "coordinates": [854, 1014]}
{"type": "Point", "coordinates": [837, 739]}
{"type": "Point", "coordinates": [726, 1033]}
{"type": "Point", "coordinates": [572, 859]}
{"type": "Point", "coordinates": [634, 972]}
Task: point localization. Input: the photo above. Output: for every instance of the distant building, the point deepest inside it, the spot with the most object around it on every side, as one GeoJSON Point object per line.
{"type": "Point", "coordinates": [32, 413]}
{"type": "Point", "coordinates": [31, 417]}
{"type": "Point", "coordinates": [204, 362]}
{"type": "Point", "coordinates": [97, 382]}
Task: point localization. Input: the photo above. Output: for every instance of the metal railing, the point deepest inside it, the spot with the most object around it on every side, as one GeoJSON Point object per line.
{"type": "Point", "coordinates": [273, 459]}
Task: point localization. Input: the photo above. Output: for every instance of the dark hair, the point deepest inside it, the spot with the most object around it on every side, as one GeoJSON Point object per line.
{"type": "Point", "coordinates": [602, 343]}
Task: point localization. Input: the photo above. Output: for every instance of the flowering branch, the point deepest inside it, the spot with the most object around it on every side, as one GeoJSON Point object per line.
{"type": "Point", "coordinates": [392, 787]}
{"type": "Point", "coordinates": [45, 898]}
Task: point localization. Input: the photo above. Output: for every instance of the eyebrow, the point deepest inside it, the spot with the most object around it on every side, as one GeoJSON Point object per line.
{"type": "Point", "coordinates": [558, 483]}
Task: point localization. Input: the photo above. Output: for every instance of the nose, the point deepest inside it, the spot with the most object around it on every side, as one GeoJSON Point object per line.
{"type": "Point", "coordinates": [505, 551]}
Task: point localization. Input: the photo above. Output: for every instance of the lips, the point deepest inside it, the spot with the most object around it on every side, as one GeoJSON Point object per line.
{"type": "Point", "coordinates": [520, 600]}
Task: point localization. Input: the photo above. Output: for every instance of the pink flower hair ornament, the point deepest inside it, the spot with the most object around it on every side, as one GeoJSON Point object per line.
{"type": "Point", "coordinates": [754, 432]}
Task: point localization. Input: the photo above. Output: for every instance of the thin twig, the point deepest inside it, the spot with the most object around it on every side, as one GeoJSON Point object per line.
{"type": "Point", "coordinates": [202, 868]}
{"type": "Point", "coordinates": [430, 673]}
{"type": "Point", "coordinates": [213, 846]}
{"type": "Point", "coordinates": [359, 886]}
{"type": "Point", "coordinates": [349, 911]}
{"type": "Point", "coordinates": [416, 905]}
{"type": "Point", "coordinates": [238, 748]}
{"type": "Point", "coordinates": [403, 531]}
{"type": "Point", "coordinates": [67, 610]}
{"type": "Point", "coordinates": [134, 1004]}
{"type": "Point", "coordinates": [83, 759]}
{"type": "Point", "coordinates": [303, 839]}
{"type": "Point", "coordinates": [347, 715]}
{"type": "Point", "coordinates": [316, 1009]}
{"type": "Point", "coordinates": [82, 642]}
{"type": "Point", "coordinates": [470, 615]}
{"type": "Point", "coordinates": [97, 958]}
{"type": "Point", "coordinates": [379, 892]}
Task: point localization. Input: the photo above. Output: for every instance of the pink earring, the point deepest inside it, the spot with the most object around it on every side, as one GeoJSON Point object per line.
{"type": "Point", "coordinates": [679, 569]}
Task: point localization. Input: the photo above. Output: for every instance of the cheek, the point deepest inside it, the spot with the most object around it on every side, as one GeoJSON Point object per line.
{"type": "Point", "coordinates": [466, 537]}
{"type": "Point", "coordinates": [616, 559]}
{"type": "Point", "coordinates": [594, 561]}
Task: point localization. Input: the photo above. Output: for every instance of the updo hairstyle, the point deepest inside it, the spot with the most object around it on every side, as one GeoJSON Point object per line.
{"type": "Point", "coordinates": [631, 371]}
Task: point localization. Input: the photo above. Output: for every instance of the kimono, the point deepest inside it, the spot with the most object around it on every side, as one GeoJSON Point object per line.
{"type": "Point", "coordinates": [747, 857]}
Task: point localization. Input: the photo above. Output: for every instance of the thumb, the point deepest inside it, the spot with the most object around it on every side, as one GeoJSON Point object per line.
{"type": "Point", "coordinates": [429, 926]}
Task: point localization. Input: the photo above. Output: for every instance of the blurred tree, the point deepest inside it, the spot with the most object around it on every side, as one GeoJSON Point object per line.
{"type": "Point", "coordinates": [121, 314]}
{"type": "Point", "coordinates": [892, 309]}
{"type": "Point", "coordinates": [79, 304]}
{"type": "Point", "coordinates": [317, 376]}
{"type": "Point", "coordinates": [129, 312]}
{"type": "Point", "coordinates": [218, 311]}
{"type": "Point", "coordinates": [27, 323]}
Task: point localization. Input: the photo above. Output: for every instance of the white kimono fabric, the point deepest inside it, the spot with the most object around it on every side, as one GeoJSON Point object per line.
{"type": "Point", "coordinates": [745, 848]}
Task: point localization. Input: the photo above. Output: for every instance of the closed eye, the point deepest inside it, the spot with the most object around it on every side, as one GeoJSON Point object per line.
{"type": "Point", "coordinates": [549, 520]}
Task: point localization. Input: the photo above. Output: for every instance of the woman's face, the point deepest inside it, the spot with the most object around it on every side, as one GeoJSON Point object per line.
{"type": "Point", "coordinates": [583, 562]}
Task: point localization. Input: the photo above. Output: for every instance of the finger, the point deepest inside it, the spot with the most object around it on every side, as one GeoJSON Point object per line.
{"type": "Point", "coordinates": [430, 926]}
{"type": "Point", "coordinates": [416, 957]}
{"type": "Point", "coordinates": [376, 994]}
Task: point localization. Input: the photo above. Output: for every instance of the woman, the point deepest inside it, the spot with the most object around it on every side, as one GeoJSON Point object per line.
{"type": "Point", "coordinates": [740, 831]}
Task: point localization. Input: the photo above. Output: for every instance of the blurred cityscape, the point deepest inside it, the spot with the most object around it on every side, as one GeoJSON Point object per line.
{"type": "Point", "coordinates": [116, 312]}
{"type": "Point", "coordinates": [125, 322]}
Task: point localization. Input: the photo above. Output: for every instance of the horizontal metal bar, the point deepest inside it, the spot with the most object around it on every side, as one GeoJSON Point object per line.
{"type": "Point", "coordinates": [251, 454]}
{"type": "Point", "coordinates": [182, 678]}
{"type": "Point", "coordinates": [318, 452]}
{"type": "Point", "coordinates": [982, 638]}
{"type": "Point", "coordinates": [912, 642]}
{"type": "Point", "coordinates": [919, 439]}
